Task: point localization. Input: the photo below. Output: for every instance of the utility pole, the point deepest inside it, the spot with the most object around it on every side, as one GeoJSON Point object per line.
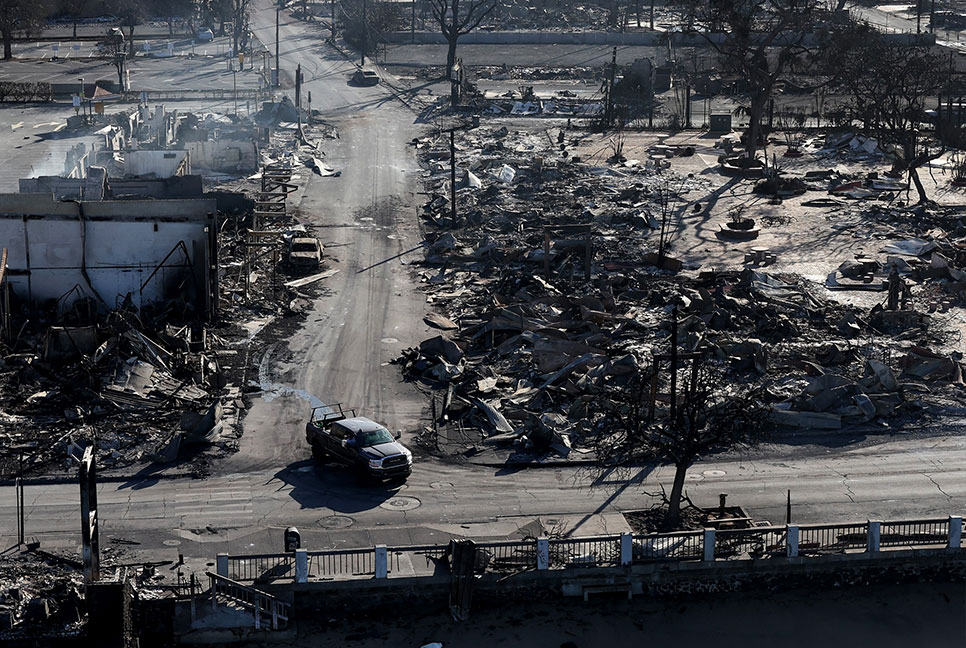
{"type": "Point", "coordinates": [413, 26]}
{"type": "Point", "coordinates": [674, 362]}
{"type": "Point", "coordinates": [234, 90]}
{"type": "Point", "coordinates": [609, 104]}
{"type": "Point", "coordinates": [452, 175]}
{"type": "Point", "coordinates": [365, 32]}
{"type": "Point", "coordinates": [278, 70]}
{"type": "Point", "coordinates": [333, 19]}
{"type": "Point", "coordinates": [298, 86]}
{"type": "Point", "coordinates": [687, 104]}
{"type": "Point", "coordinates": [20, 506]}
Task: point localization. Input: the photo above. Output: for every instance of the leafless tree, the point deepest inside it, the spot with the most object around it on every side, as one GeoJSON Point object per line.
{"type": "Point", "coordinates": [72, 9]}
{"type": "Point", "coordinates": [117, 46]}
{"type": "Point", "coordinates": [709, 412]}
{"type": "Point", "coordinates": [239, 13]}
{"type": "Point", "coordinates": [131, 13]}
{"type": "Point", "coordinates": [763, 41]}
{"type": "Point", "coordinates": [363, 31]}
{"type": "Point", "coordinates": [457, 18]}
{"type": "Point", "coordinates": [889, 86]}
{"type": "Point", "coordinates": [18, 16]}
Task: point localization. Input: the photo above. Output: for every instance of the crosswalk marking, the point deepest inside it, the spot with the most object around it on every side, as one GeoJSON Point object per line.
{"type": "Point", "coordinates": [215, 500]}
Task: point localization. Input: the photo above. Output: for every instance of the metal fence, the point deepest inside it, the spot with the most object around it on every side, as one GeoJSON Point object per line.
{"type": "Point", "coordinates": [342, 563]}
{"type": "Point", "coordinates": [585, 552]}
{"type": "Point", "coordinates": [261, 567]}
{"type": "Point", "coordinates": [507, 556]}
{"type": "Point", "coordinates": [914, 533]}
{"type": "Point", "coordinates": [605, 551]}
{"type": "Point", "coordinates": [831, 538]}
{"type": "Point", "coordinates": [416, 557]}
{"type": "Point", "coordinates": [686, 545]}
{"type": "Point", "coordinates": [755, 542]}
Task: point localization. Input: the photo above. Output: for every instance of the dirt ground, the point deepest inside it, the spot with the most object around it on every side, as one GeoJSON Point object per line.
{"type": "Point", "coordinates": [883, 616]}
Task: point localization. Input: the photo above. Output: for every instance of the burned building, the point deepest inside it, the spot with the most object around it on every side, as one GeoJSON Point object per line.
{"type": "Point", "coordinates": [110, 253]}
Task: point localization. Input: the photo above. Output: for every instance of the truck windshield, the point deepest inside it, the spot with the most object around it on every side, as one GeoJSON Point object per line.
{"type": "Point", "coordinates": [374, 437]}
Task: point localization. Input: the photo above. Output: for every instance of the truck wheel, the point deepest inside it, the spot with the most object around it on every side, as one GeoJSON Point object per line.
{"type": "Point", "coordinates": [318, 453]}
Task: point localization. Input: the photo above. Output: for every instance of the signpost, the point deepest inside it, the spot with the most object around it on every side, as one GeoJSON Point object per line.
{"type": "Point", "coordinates": [88, 497]}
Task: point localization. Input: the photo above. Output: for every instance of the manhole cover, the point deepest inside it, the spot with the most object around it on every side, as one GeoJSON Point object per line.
{"type": "Point", "coordinates": [438, 485]}
{"type": "Point", "coordinates": [401, 503]}
{"type": "Point", "coordinates": [693, 478]}
{"type": "Point", "coordinates": [172, 543]}
{"type": "Point", "coordinates": [335, 522]}
{"type": "Point", "coordinates": [389, 340]}
{"type": "Point", "coordinates": [713, 473]}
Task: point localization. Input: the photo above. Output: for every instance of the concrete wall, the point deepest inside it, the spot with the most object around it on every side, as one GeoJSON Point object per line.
{"type": "Point", "coordinates": [160, 164]}
{"type": "Point", "coordinates": [640, 39]}
{"type": "Point", "coordinates": [107, 250]}
{"type": "Point", "coordinates": [656, 579]}
{"type": "Point", "coordinates": [224, 155]}
{"type": "Point", "coordinates": [93, 187]}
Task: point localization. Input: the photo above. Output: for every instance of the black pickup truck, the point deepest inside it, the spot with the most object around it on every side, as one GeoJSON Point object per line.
{"type": "Point", "coordinates": [360, 443]}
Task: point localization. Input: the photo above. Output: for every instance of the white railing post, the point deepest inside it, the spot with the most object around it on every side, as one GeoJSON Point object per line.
{"type": "Point", "coordinates": [955, 531]}
{"type": "Point", "coordinates": [221, 565]}
{"type": "Point", "coordinates": [301, 566]}
{"type": "Point", "coordinates": [627, 548]}
{"type": "Point", "coordinates": [382, 563]}
{"type": "Point", "coordinates": [874, 536]}
{"type": "Point", "coordinates": [791, 540]}
{"type": "Point", "coordinates": [709, 545]}
{"type": "Point", "coordinates": [543, 554]}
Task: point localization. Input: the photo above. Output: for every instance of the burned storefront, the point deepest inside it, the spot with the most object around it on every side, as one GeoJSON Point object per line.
{"type": "Point", "coordinates": [111, 253]}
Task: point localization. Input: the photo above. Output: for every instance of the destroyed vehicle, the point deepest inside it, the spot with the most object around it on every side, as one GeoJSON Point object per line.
{"type": "Point", "coordinates": [365, 77]}
{"type": "Point", "coordinates": [358, 442]}
{"type": "Point", "coordinates": [304, 253]}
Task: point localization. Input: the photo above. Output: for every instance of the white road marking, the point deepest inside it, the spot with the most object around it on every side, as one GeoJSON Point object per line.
{"type": "Point", "coordinates": [16, 126]}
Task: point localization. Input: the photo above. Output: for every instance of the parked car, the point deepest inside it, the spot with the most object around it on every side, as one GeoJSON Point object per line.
{"type": "Point", "coordinates": [205, 35]}
{"type": "Point", "coordinates": [357, 442]}
{"type": "Point", "coordinates": [365, 77]}
{"type": "Point", "coordinates": [304, 253]}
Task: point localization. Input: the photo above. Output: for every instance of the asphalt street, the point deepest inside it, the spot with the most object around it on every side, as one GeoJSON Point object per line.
{"type": "Point", "coordinates": [246, 512]}
{"type": "Point", "coordinates": [370, 311]}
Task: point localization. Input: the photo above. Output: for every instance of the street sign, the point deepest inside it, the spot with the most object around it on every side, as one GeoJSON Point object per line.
{"type": "Point", "coordinates": [90, 549]}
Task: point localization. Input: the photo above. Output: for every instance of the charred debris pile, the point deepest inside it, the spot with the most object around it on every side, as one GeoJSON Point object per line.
{"type": "Point", "coordinates": [553, 286]}
{"type": "Point", "coordinates": [164, 381]}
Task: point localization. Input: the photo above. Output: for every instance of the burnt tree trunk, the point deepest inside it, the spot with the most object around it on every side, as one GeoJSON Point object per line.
{"type": "Point", "coordinates": [7, 45]}
{"type": "Point", "coordinates": [754, 124]}
{"type": "Point", "coordinates": [450, 55]}
{"type": "Point", "coordinates": [673, 516]}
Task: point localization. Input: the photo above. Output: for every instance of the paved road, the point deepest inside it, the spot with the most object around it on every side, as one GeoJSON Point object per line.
{"type": "Point", "coordinates": [371, 309]}
{"type": "Point", "coordinates": [145, 73]}
{"type": "Point", "coordinates": [246, 512]}
{"type": "Point", "coordinates": [36, 141]}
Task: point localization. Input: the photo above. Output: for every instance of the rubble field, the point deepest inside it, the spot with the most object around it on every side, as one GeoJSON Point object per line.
{"type": "Point", "coordinates": [554, 284]}
{"type": "Point", "coordinates": [163, 383]}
